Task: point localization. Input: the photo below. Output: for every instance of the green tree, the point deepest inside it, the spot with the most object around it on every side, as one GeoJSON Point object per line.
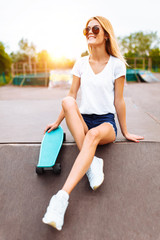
{"type": "Point", "coordinates": [19, 57]}
{"type": "Point", "coordinates": [155, 56]}
{"type": "Point", "coordinates": [26, 52]}
{"type": "Point", "coordinates": [5, 60]}
{"type": "Point", "coordinates": [43, 56]}
{"type": "Point", "coordinates": [139, 44]}
{"type": "Point", "coordinates": [43, 59]}
{"type": "Point", "coordinates": [27, 48]}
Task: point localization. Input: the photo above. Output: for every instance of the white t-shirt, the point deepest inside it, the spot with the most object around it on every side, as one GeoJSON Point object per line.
{"type": "Point", "coordinates": [97, 90]}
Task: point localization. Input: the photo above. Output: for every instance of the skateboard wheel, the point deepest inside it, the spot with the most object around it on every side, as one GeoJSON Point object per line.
{"type": "Point", "coordinates": [57, 168]}
{"type": "Point", "coordinates": [64, 137]}
{"type": "Point", "coordinates": [39, 170]}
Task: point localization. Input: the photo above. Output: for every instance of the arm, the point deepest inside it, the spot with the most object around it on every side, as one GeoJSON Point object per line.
{"type": "Point", "coordinates": [73, 93]}
{"type": "Point", "coordinates": [121, 110]}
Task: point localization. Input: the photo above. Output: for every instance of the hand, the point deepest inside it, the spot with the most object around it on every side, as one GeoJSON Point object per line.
{"type": "Point", "coordinates": [50, 127]}
{"type": "Point", "coordinates": [133, 137]}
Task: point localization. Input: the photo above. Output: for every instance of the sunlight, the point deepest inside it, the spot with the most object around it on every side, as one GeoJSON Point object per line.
{"type": "Point", "coordinates": [56, 54]}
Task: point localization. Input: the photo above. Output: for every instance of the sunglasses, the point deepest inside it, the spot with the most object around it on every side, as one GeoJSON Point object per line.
{"type": "Point", "coordinates": [95, 30]}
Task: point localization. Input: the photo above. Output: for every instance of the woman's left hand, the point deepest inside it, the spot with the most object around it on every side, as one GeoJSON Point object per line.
{"type": "Point", "coordinates": [133, 137]}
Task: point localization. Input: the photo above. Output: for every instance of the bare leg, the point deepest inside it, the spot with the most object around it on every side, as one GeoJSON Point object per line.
{"type": "Point", "coordinates": [74, 120]}
{"type": "Point", "coordinates": [102, 134]}
{"type": "Point", "coordinates": [87, 142]}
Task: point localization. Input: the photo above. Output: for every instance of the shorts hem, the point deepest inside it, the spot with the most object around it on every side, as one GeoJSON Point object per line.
{"type": "Point", "coordinates": [114, 131]}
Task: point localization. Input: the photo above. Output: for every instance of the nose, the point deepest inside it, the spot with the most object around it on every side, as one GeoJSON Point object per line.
{"type": "Point", "coordinates": [90, 30]}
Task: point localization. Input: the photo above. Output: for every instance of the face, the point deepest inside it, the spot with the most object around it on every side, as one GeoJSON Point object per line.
{"type": "Point", "coordinates": [94, 39]}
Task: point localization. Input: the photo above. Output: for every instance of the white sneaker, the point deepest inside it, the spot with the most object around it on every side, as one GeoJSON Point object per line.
{"type": "Point", "coordinates": [54, 215]}
{"type": "Point", "coordinates": [95, 173]}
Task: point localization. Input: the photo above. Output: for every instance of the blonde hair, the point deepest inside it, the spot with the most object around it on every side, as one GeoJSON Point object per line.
{"type": "Point", "coordinates": [112, 47]}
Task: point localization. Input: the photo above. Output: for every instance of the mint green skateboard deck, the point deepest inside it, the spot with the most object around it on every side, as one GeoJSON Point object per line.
{"type": "Point", "coordinates": [50, 147]}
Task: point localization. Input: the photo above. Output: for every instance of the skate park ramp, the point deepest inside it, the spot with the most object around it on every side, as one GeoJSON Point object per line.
{"type": "Point", "coordinates": [125, 207]}
{"type": "Point", "coordinates": [147, 76]}
{"type": "Point", "coordinates": [137, 75]}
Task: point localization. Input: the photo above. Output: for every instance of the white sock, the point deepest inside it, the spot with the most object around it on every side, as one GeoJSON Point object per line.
{"type": "Point", "coordinates": [63, 194]}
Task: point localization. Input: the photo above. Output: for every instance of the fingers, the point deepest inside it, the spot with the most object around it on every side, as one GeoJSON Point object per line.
{"type": "Point", "coordinates": [134, 138]}
{"type": "Point", "coordinates": [47, 129]}
{"type": "Point", "coordinates": [140, 137]}
{"type": "Point", "coordinates": [50, 128]}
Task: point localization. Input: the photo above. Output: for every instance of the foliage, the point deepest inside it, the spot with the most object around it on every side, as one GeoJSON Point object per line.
{"type": "Point", "coordinates": [155, 52]}
{"type": "Point", "coordinates": [139, 44]}
{"type": "Point", "coordinates": [26, 47]}
{"type": "Point", "coordinates": [5, 60]}
{"type": "Point", "coordinates": [19, 57]}
{"type": "Point", "coordinates": [155, 55]}
{"type": "Point", "coordinates": [43, 57]}
{"type": "Point", "coordinates": [26, 52]}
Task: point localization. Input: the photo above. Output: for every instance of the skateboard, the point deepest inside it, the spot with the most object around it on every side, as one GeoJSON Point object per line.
{"type": "Point", "coordinates": [50, 147]}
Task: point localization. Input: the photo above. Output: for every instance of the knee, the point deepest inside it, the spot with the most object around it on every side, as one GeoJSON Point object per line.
{"type": "Point", "coordinates": [93, 136]}
{"type": "Point", "coordinates": [68, 103]}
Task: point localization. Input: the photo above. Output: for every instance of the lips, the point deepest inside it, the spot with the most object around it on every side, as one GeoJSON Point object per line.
{"type": "Point", "coordinates": [91, 36]}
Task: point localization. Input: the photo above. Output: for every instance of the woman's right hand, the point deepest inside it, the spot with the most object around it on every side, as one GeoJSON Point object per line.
{"type": "Point", "coordinates": [50, 127]}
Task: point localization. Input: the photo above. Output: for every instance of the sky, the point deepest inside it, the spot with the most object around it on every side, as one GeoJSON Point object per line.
{"type": "Point", "coordinates": [57, 25]}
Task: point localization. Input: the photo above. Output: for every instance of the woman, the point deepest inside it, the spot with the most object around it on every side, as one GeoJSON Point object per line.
{"type": "Point", "coordinates": [101, 76]}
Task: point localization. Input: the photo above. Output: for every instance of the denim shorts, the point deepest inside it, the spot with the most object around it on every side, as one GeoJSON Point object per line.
{"type": "Point", "coordinates": [94, 120]}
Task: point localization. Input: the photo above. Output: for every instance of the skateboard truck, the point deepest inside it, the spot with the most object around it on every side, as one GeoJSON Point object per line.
{"type": "Point", "coordinates": [56, 169]}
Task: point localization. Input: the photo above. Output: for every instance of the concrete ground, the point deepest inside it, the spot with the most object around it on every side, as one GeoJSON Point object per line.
{"type": "Point", "coordinates": [126, 207]}
{"type": "Point", "coordinates": [25, 112]}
